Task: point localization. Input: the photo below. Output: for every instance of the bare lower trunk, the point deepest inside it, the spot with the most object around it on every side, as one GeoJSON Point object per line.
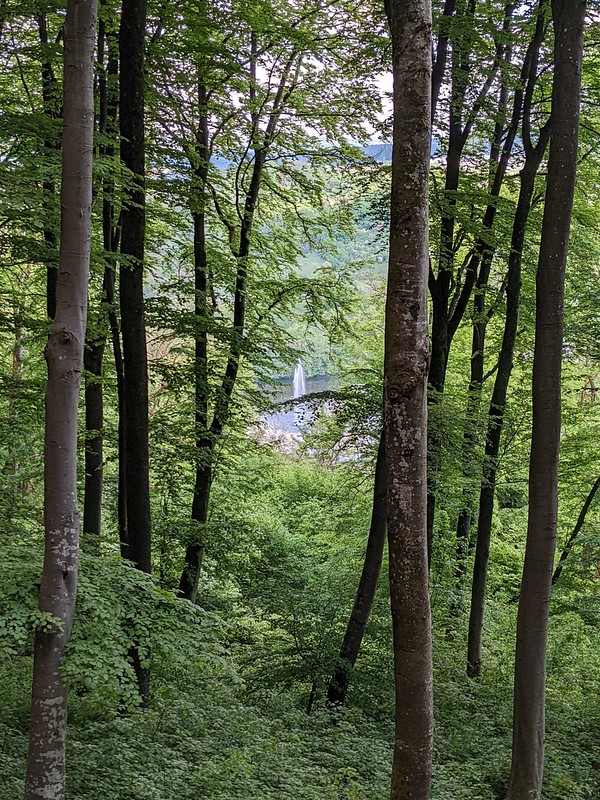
{"type": "Point", "coordinates": [188, 583]}
{"type": "Point", "coordinates": [532, 620]}
{"type": "Point", "coordinates": [133, 329]}
{"type": "Point", "coordinates": [405, 398]}
{"type": "Point", "coordinates": [367, 586]}
{"type": "Point", "coordinates": [122, 444]}
{"type": "Point", "coordinates": [64, 354]}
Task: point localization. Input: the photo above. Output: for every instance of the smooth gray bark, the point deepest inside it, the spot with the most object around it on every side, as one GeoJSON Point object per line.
{"type": "Point", "coordinates": [405, 398]}
{"type": "Point", "coordinates": [64, 354]}
{"type": "Point", "coordinates": [532, 620]}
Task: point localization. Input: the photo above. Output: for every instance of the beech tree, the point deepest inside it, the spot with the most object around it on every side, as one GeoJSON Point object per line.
{"type": "Point", "coordinates": [477, 37]}
{"type": "Point", "coordinates": [251, 239]}
{"type": "Point", "coordinates": [479, 65]}
{"type": "Point", "coordinates": [240, 239]}
{"type": "Point", "coordinates": [249, 200]}
{"type": "Point", "coordinates": [132, 38]}
{"type": "Point", "coordinates": [405, 397]}
{"type": "Point", "coordinates": [105, 321]}
{"type": "Point", "coordinates": [64, 355]}
{"type": "Point", "coordinates": [532, 621]}
{"type": "Point", "coordinates": [477, 245]}
{"type": "Point", "coordinates": [534, 153]}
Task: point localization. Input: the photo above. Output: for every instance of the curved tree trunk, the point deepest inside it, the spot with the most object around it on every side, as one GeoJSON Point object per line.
{"type": "Point", "coordinates": [405, 398]}
{"type": "Point", "coordinates": [533, 159]}
{"type": "Point", "coordinates": [495, 422]}
{"type": "Point", "coordinates": [448, 307]}
{"type": "Point", "coordinates": [367, 586]}
{"type": "Point", "coordinates": [205, 441]}
{"type": "Point", "coordinates": [64, 355]}
{"type": "Point", "coordinates": [532, 619]}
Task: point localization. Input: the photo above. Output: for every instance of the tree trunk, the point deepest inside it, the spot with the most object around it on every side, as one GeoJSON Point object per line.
{"type": "Point", "coordinates": [499, 159]}
{"type": "Point", "coordinates": [133, 221]}
{"type": "Point", "coordinates": [64, 354]}
{"type": "Point", "coordinates": [533, 159]}
{"type": "Point", "coordinates": [405, 398]}
{"type": "Point", "coordinates": [96, 339]}
{"type": "Point", "coordinates": [205, 442]}
{"type": "Point", "coordinates": [188, 584]}
{"type": "Point", "coordinates": [470, 439]}
{"type": "Point", "coordinates": [532, 620]}
{"type": "Point", "coordinates": [496, 419]}
{"type": "Point", "coordinates": [440, 294]}
{"type": "Point", "coordinates": [448, 312]}
{"type": "Point", "coordinates": [367, 586]}
{"type": "Point", "coordinates": [51, 103]}
{"type": "Point", "coordinates": [133, 328]}
{"type": "Point", "coordinates": [111, 234]}
{"type": "Point", "coordinates": [115, 335]}
{"type": "Point", "coordinates": [94, 457]}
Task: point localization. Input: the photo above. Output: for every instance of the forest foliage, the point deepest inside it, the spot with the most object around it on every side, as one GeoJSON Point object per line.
{"type": "Point", "coordinates": [298, 248]}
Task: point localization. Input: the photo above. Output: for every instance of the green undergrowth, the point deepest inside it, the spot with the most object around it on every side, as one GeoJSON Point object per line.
{"type": "Point", "coordinates": [228, 716]}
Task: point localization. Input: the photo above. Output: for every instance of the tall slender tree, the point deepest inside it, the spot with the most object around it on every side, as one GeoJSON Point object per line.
{"type": "Point", "coordinates": [532, 621]}
{"type": "Point", "coordinates": [135, 358]}
{"type": "Point", "coordinates": [97, 333]}
{"type": "Point", "coordinates": [472, 79]}
{"type": "Point", "coordinates": [133, 222]}
{"type": "Point", "coordinates": [534, 153]}
{"type": "Point", "coordinates": [241, 244]}
{"type": "Point", "coordinates": [64, 355]}
{"type": "Point", "coordinates": [280, 97]}
{"type": "Point", "coordinates": [405, 397]}
{"type": "Point", "coordinates": [497, 406]}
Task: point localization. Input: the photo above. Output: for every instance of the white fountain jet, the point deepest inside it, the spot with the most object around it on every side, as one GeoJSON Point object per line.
{"type": "Point", "coordinates": [299, 382]}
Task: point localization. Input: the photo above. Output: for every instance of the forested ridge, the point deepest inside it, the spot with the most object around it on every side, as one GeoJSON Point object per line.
{"type": "Point", "coordinates": [299, 419]}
